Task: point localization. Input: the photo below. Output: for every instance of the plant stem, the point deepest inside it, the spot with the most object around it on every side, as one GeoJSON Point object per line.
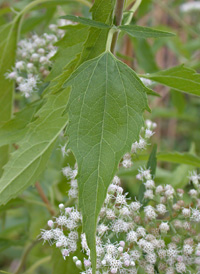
{"type": "Point", "coordinates": [44, 198]}
{"type": "Point", "coordinates": [118, 18]}
{"type": "Point", "coordinates": [133, 10]}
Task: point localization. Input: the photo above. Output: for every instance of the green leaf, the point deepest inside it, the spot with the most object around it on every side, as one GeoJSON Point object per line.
{"type": "Point", "coordinates": [6, 243]}
{"type": "Point", "coordinates": [86, 21]}
{"type": "Point", "coordinates": [105, 117]}
{"type": "Point", "coordinates": [152, 162]}
{"type": "Point", "coordinates": [30, 159]}
{"type": "Point", "coordinates": [178, 100]}
{"type": "Point", "coordinates": [8, 44]}
{"type": "Point", "coordinates": [68, 48]}
{"type": "Point", "coordinates": [14, 130]}
{"type": "Point", "coordinates": [174, 157]}
{"type": "Point", "coordinates": [179, 177]}
{"type": "Point", "coordinates": [144, 54]}
{"type": "Point", "coordinates": [102, 11]}
{"type": "Point", "coordinates": [180, 78]}
{"type": "Point", "coordinates": [144, 32]}
{"type": "Point", "coordinates": [180, 158]}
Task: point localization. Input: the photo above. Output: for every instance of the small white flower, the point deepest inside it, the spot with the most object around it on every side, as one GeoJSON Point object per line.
{"type": "Point", "coordinates": [186, 212]}
{"type": "Point", "coordinates": [164, 227]}
{"type": "Point", "coordinates": [50, 223]}
{"type": "Point", "coordinates": [132, 237]}
{"type": "Point", "coordinates": [148, 194]}
{"type": "Point", "coordinates": [148, 133]}
{"type": "Point", "coordinates": [180, 267]}
{"type": "Point", "coordinates": [150, 184]}
{"type": "Point", "coordinates": [19, 65]}
{"type": "Point", "coordinates": [161, 209]}
{"type": "Point", "coordinates": [150, 212]}
{"type": "Point", "coordinates": [135, 206]}
{"type": "Point", "coordinates": [12, 75]}
{"type": "Point", "coordinates": [193, 192]}
{"type": "Point", "coordinates": [195, 215]}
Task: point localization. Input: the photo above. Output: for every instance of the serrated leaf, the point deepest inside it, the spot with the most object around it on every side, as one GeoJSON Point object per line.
{"type": "Point", "coordinates": [180, 78]}
{"type": "Point", "coordinates": [86, 21]}
{"type": "Point", "coordinates": [105, 117]}
{"type": "Point", "coordinates": [14, 130]}
{"type": "Point", "coordinates": [68, 48]}
{"type": "Point", "coordinates": [144, 32]}
{"type": "Point", "coordinates": [30, 159]}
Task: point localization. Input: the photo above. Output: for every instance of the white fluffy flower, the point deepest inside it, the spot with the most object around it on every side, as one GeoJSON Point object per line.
{"type": "Point", "coordinates": [164, 227]}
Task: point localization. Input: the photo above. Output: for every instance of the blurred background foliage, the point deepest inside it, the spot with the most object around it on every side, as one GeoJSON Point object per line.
{"type": "Point", "coordinates": [176, 114]}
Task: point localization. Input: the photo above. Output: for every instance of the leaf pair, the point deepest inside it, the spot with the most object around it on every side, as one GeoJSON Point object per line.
{"type": "Point", "coordinates": [132, 30]}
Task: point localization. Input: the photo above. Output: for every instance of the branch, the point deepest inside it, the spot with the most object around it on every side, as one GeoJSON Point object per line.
{"type": "Point", "coordinates": [118, 18]}
{"type": "Point", "coordinates": [44, 199]}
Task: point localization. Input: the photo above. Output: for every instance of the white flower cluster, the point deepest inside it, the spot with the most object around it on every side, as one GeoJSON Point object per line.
{"type": "Point", "coordinates": [163, 235]}
{"type": "Point", "coordinates": [70, 174]}
{"type": "Point", "coordinates": [64, 230]}
{"type": "Point", "coordinates": [146, 133]}
{"type": "Point", "coordinates": [158, 234]}
{"type": "Point", "coordinates": [190, 6]}
{"type": "Point", "coordinates": [34, 59]}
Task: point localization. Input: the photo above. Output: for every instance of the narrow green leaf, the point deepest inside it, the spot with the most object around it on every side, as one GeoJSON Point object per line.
{"type": "Point", "coordinates": [180, 78]}
{"type": "Point", "coordinates": [174, 157]}
{"type": "Point", "coordinates": [8, 45]}
{"type": "Point", "coordinates": [86, 21]}
{"type": "Point", "coordinates": [105, 117]}
{"type": "Point", "coordinates": [178, 100]}
{"type": "Point", "coordinates": [14, 130]}
{"type": "Point", "coordinates": [152, 162]}
{"type": "Point", "coordinates": [179, 177]}
{"type": "Point", "coordinates": [144, 32]}
{"type": "Point", "coordinates": [144, 55]}
{"type": "Point", "coordinates": [30, 159]}
{"type": "Point", "coordinates": [180, 158]}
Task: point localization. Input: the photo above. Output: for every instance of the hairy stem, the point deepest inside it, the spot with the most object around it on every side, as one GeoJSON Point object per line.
{"type": "Point", "coordinates": [118, 20]}
{"type": "Point", "coordinates": [44, 198]}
